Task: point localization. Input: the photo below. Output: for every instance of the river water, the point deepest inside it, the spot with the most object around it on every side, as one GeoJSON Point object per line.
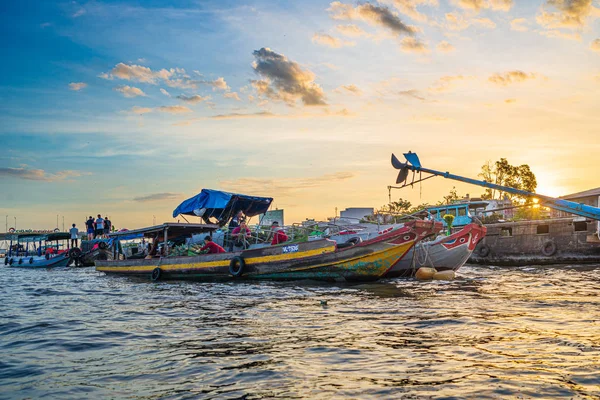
{"type": "Point", "coordinates": [492, 333]}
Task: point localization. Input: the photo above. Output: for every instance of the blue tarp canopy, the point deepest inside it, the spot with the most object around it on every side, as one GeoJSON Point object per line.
{"type": "Point", "coordinates": [222, 205]}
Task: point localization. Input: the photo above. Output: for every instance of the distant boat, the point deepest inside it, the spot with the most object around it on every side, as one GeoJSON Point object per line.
{"type": "Point", "coordinates": [35, 250]}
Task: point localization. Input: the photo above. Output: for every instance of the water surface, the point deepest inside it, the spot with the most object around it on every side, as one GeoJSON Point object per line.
{"type": "Point", "coordinates": [493, 333]}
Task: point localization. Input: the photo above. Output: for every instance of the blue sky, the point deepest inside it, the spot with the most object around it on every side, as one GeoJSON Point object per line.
{"type": "Point", "coordinates": [127, 108]}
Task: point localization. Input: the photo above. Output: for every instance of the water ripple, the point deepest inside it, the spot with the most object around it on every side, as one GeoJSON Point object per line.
{"type": "Point", "coordinates": [492, 333]}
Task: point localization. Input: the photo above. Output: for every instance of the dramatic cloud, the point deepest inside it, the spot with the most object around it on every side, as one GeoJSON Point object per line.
{"type": "Point", "coordinates": [163, 109]}
{"type": "Point", "coordinates": [412, 45]}
{"type": "Point", "coordinates": [38, 174]}
{"type": "Point", "coordinates": [511, 77]}
{"type": "Point", "coordinates": [456, 22]}
{"type": "Point", "coordinates": [163, 91]}
{"type": "Point", "coordinates": [328, 40]}
{"type": "Point", "coordinates": [77, 86]}
{"type": "Point", "coordinates": [260, 114]}
{"type": "Point", "coordinates": [569, 14]}
{"type": "Point", "coordinates": [445, 47]}
{"type": "Point", "coordinates": [218, 83]}
{"type": "Point", "coordinates": [555, 33]}
{"type": "Point", "coordinates": [174, 77]}
{"type": "Point", "coordinates": [193, 99]}
{"type": "Point", "coordinates": [232, 95]}
{"type": "Point", "coordinates": [173, 109]}
{"type": "Point", "coordinates": [351, 30]}
{"type": "Point", "coordinates": [285, 80]}
{"type": "Point", "coordinates": [411, 93]}
{"type": "Point", "coordinates": [445, 83]}
{"type": "Point", "coordinates": [502, 5]}
{"type": "Point", "coordinates": [157, 197]}
{"type": "Point", "coordinates": [140, 110]}
{"type": "Point", "coordinates": [353, 89]}
{"type": "Point", "coordinates": [409, 8]}
{"type": "Point", "coordinates": [372, 14]}
{"type": "Point", "coordinates": [484, 22]}
{"type": "Point", "coordinates": [283, 187]}
{"type": "Point", "coordinates": [595, 45]}
{"type": "Point", "coordinates": [519, 24]}
{"type": "Point", "coordinates": [478, 5]}
{"type": "Point", "coordinates": [130, 91]}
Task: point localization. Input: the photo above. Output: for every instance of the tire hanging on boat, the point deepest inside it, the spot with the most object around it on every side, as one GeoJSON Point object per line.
{"type": "Point", "coordinates": [102, 245]}
{"type": "Point", "coordinates": [484, 250]}
{"type": "Point", "coordinates": [31, 260]}
{"type": "Point", "coordinates": [236, 266]}
{"type": "Point", "coordinates": [548, 248]}
{"type": "Point", "coordinates": [155, 274]}
{"type": "Point", "coordinates": [20, 261]}
{"type": "Point", "coordinates": [5, 260]}
{"type": "Point", "coordinates": [354, 241]}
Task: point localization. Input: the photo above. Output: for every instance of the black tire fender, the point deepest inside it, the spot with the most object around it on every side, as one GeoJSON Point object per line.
{"type": "Point", "coordinates": [548, 248]}
{"type": "Point", "coordinates": [484, 250]}
{"type": "Point", "coordinates": [75, 252]}
{"type": "Point", "coordinates": [103, 245]}
{"type": "Point", "coordinates": [354, 241]}
{"type": "Point", "coordinates": [156, 272]}
{"type": "Point", "coordinates": [236, 266]}
{"type": "Point", "coordinates": [30, 260]}
{"type": "Point", "coordinates": [5, 260]}
{"type": "Point", "coordinates": [47, 256]}
{"type": "Point", "coordinates": [11, 261]}
{"type": "Point", "coordinates": [20, 261]}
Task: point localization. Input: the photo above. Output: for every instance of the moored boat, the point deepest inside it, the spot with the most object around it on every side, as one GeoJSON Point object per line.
{"type": "Point", "coordinates": [444, 253]}
{"type": "Point", "coordinates": [35, 250]}
{"type": "Point", "coordinates": [318, 259]}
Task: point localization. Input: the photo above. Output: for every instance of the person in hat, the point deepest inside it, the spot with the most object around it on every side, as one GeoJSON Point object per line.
{"type": "Point", "coordinates": [279, 235]}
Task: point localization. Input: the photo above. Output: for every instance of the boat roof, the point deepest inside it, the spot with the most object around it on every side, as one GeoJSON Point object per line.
{"type": "Point", "coordinates": [222, 205]}
{"type": "Point", "coordinates": [35, 236]}
{"type": "Point", "coordinates": [463, 204]}
{"type": "Point", "coordinates": [174, 229]}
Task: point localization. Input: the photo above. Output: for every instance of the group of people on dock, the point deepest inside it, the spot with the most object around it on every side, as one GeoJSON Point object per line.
{"type": "Point", "coordinates": [239, 235]}
{"type": "Point", "coordinates": [98, 228]}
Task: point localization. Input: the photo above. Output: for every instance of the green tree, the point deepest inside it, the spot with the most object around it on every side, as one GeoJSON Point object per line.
{"type": "Point", "coordinates": [450, 198]}
{"type": "Point", "coordinates": [504, 174]}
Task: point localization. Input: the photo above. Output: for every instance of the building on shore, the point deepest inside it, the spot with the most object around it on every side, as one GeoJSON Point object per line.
{"type": "Point", "coordinates": [589, 197]}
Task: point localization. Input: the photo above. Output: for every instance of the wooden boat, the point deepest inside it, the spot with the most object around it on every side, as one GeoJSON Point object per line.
{"type": "Point", "coordinates": [35, 250]}
{"type": "Point", "coordinates": [319, 259]}
{"type": "Point", "coordinates": [443, 253]}
{"type": "Point", "coordinates": [545, 241]}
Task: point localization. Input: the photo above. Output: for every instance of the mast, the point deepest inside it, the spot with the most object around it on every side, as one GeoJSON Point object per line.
{"type": "Point", "coordinates": [414, 164]}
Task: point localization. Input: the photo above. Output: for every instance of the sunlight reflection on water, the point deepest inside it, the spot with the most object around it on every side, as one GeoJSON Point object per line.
{"type": "Point", "coordinates": [492, 333]}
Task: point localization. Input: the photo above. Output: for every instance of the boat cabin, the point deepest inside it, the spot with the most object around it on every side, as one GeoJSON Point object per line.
{"type": "Point", "coordinates": [462, 212]}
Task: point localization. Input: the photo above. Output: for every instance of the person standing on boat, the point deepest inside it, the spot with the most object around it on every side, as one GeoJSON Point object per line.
{"type": "Point", "coordinates": [74, 236]}
{"type": "Point", "coordinates": [211, 247]}
{"type": "Point", "coordinates": [90, 228]}
{"type": "Point", "coordinates": [279, 235]}
{"type": "Point", "coordinates": [107, 226]}
{"type": "Point", "coordinates": [99, 227]}
{"type": "Point", "coordinates": [234, 223]}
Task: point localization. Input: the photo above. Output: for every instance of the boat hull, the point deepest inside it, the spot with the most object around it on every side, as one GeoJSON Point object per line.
{"type": "Point", "coordinates": [444, 253]}
{"type": "Point", "coordinates": [319, 260]}
{"type": "Point", "coordinates": [61, 260]}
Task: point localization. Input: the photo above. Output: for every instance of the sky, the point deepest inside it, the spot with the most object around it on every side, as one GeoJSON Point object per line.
{"type": "Point", "coordinates": [127, 108]}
